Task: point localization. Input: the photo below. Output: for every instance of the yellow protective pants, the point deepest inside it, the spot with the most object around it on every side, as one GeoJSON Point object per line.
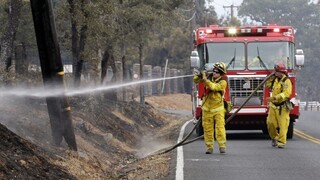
{"type": "Point", "coordinates": [214, 121]}
{"type": "Point", "coordinates": [278, 123]}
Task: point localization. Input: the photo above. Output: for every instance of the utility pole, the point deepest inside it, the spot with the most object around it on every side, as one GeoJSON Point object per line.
{"type": "Point", "coordinates": [52, 72]}
{"type": "Point", "coordinates": [231, 7]}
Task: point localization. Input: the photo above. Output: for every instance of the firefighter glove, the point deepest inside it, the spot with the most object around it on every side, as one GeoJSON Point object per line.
{"type": "Point", "coordinates": [270, 99]}
{"type": "Point", "coordinates": [196, 72]}
{"type": "Point", "coordinates": [204, 75]}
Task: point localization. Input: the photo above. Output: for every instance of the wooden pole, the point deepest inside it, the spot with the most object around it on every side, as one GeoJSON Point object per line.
{"type": "Point", "coordinates": [52, 72]}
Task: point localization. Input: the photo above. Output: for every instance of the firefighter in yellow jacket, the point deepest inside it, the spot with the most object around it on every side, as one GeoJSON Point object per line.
{"type": "Point", "coordinates": [213, 112]}
{"type": "Point", "coordinates": [279, 106]}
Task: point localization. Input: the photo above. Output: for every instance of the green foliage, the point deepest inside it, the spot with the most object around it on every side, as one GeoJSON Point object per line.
{"type": "Point", "coordinates": [212, 17]}
{"type": "Point", "coordinates": [26, 33]}
{"type": "Point", "coordinates": [3, 16]}
{"type": "Point", "coordinates": [171, 45]}
{"type": "Point", "coordinates": [164, 27]}
{"type": "Point", "coordinates": [63, 25]}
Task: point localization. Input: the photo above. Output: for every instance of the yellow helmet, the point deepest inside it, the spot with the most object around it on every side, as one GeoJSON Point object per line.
{"type": "Point", "coordinates": [221, 67]}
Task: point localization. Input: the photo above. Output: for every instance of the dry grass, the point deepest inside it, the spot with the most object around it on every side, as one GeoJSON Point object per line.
{"type": "Point", "coordinates": [173, 101]}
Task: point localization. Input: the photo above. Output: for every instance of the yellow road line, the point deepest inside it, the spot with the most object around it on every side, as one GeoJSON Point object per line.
{"type": "Point", "coordinates": [306, 136]}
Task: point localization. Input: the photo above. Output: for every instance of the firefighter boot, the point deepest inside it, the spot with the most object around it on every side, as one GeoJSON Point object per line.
{"type": "Point", "coordinates": [280, 145]}
{"type": "Point", "coordinates": [222, 150]}
{"type": "Point", "coordinates": [209, 151]}
{"type": "Point", "coordinates": [274, 142]}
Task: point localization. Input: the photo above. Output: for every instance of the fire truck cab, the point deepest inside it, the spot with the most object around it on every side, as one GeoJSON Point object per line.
{"type": "Point", "coordinates": [250, 53]}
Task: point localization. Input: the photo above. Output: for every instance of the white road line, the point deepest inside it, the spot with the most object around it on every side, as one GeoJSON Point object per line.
{"type": "Point", "coordinates": [180, 161]}
{"type": "Point", "coordinates": [204, 160]}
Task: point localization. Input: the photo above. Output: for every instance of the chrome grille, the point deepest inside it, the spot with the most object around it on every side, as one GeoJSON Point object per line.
{"type": "Point", "coordinates": [243, 86]}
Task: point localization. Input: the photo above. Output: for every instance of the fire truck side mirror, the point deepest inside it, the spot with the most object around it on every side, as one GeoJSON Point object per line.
{"type": "Point", "coordinates": [299, 58]}
{"type": "Point", "coordinates": [194, 59]}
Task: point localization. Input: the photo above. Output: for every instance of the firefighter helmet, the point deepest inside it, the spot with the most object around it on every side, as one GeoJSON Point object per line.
{"type": "Point", "coordinates": [280, 67]}
{"type": "Point", "coordinates": [220, 66]}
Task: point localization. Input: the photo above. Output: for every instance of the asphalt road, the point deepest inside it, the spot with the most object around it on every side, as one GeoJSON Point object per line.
{"type": "Point", "coordinates": [250, 155]}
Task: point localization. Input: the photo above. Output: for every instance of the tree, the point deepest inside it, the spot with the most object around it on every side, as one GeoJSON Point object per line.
{"type": "Point", "coordinates": [25, 39]}
{"type": "Point", "coordinates": [303, 15]}
{"type": "Point", "coordinates": [79, 36]}
{"type": "Point", "coordinates": [7, 40]}
{"type": "Point", "coordinates": [111, 31]}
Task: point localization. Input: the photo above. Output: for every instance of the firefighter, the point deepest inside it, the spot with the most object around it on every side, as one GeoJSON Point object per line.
{"type": "Point", "coordinates": [254, 62]}
{"type": "Point", "coordinates": [213, 112]}
{"type": "Point", "coordinates": [278, 117]}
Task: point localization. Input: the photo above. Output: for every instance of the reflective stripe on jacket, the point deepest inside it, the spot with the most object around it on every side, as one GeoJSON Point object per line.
{"type": "Point", "coordinates": [281, 90]}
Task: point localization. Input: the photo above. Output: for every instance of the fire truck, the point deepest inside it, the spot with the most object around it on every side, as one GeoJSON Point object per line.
{"type": "Point", "coordinates": [250, 53]}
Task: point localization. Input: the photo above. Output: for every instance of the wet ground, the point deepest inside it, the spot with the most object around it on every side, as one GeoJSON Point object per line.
{"type": "Point", "coordinates": [115, 140]}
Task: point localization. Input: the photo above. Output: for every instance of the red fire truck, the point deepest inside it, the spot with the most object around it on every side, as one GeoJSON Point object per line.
{"type": "Point", "coordinates": [250, 53]}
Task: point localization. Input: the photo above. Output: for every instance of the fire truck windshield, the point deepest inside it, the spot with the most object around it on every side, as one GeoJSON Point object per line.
{"type": "Point", "coordinates": [269, 53]}
{"type": "Point", "coordinates": [260, 55]}
{"type": "Point", "coordinates": [229, 53]}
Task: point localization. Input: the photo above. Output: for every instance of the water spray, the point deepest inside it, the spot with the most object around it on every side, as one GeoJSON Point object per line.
{"type": "Point", "coordinates": [41, 92]}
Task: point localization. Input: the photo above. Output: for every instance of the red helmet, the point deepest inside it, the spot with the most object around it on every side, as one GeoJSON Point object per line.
{"type": "Point", "coordinates": [280, 67]}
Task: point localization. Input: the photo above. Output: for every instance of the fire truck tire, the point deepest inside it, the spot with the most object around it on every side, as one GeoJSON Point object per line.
{"type": "Point", "coordinates": [290, 130]}
{"type": "Point", "coordinates": [265, 130]}
{"type": "Point", "coordinates": [199, 130]}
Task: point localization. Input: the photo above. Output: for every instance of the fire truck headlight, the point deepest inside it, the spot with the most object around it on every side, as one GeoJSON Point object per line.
{"type": "Point", "coordinates": [232, 31]}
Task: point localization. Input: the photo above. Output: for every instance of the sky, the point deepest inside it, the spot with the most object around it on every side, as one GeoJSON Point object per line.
{"type": "Point", "coordinates": [221, 11]}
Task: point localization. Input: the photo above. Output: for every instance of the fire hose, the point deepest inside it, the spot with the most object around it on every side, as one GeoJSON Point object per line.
{"type": "Point", "coordinates": [184, 140]}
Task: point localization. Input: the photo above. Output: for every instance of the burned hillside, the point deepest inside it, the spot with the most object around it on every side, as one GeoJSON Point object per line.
{"type": "Point", "coordinates": [115, 140]}
{"type": "Point", "coordinates": [20, 159]}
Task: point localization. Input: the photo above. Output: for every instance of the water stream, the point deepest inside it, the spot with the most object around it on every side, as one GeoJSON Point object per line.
{"type": "Point", "coordinates": [42, 92]}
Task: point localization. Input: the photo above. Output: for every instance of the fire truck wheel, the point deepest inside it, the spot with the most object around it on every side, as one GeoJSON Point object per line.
{"type": "Point", "coordinates": [290, 130]}
{"type": "Point", "coordinates": [199, 130]}
{"type": "Point", "coordinates": [265, 130]}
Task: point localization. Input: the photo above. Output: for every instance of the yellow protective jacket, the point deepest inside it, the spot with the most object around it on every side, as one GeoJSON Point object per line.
{"type": "Point", "coordinates": [213, 101]}
{"type": "Point", "coordinates": [281, 89]}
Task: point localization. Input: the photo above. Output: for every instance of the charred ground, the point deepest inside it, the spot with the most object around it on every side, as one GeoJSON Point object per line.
{"type": "Point", "coordinates": [116, 140]}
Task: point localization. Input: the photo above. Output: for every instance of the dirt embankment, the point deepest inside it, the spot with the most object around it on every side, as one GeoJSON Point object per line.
{"type": "Point", "coordinates": [115, 140]}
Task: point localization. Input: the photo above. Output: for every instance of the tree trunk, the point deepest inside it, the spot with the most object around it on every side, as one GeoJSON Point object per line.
{"type": "Point", "coordinates": [124, 76]}
{"type": "Point", "coordinates": [108, 59]}
{"type": "Point", "coordinates": [125, 69]}
{"type": "Point", "coordinates": [104, 66]}
{"type": "Point", "coordinates": [82, 43]}
{"type": "Point", "coordinates": [141, 73]}
{"type": "Point", "coordinates": [113, 64]}
{"type": "Point", "coordinates": [21, 63]}
{"type": "Point", "coordinates": [8, 38]}
{"type": "Point", "coordinates": [74, 38]}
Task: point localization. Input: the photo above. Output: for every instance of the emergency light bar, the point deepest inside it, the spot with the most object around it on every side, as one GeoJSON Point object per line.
{"type": "Point", "coordinates": [246, 31]}
{"type": "Point", "coordinates": [232, 31]}
{"type": "Point", "coordinates": [276, 30]}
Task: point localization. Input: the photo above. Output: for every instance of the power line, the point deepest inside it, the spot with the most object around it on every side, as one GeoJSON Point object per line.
{"type": "Point", "coordinates": [231, 7]}
{"type": "Point", "coordinates": [187, 20]}
{"type": "Point", "coordinates": [228, 2]}
{"type": "Point", "coordinates": [217, 3]}
{"type": "Point", "coordinates": [188, 10]}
